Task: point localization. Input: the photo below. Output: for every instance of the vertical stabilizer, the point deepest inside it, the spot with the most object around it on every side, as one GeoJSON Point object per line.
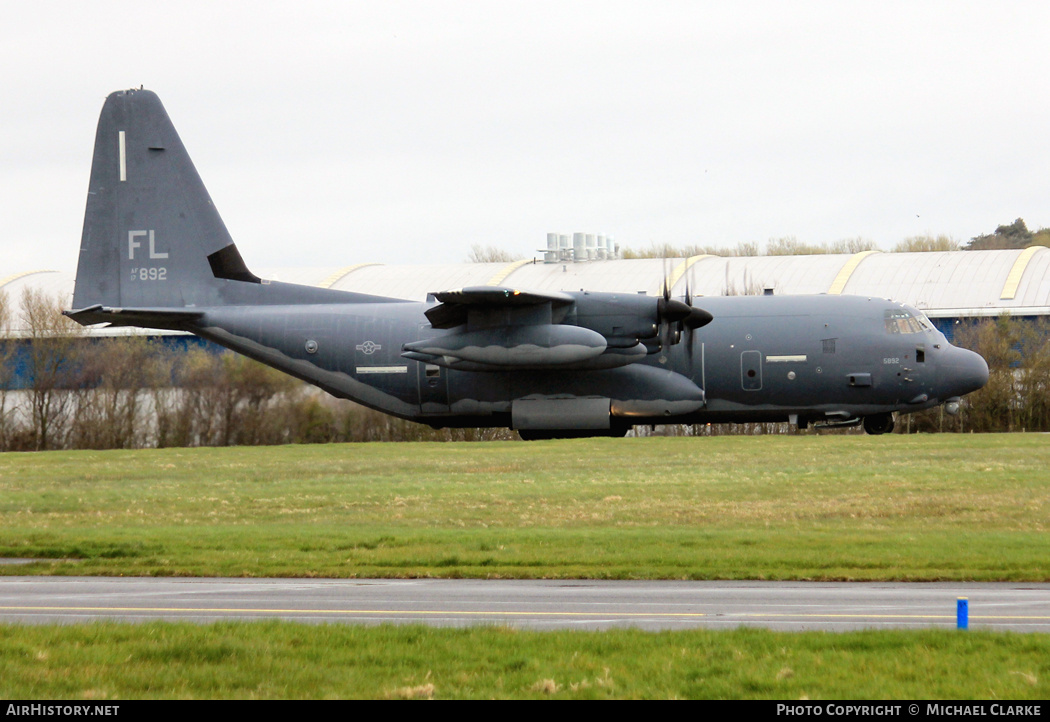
{"type": "Point", "coordinates": [152, 237]}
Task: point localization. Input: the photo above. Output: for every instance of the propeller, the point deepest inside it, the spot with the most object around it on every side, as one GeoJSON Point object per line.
{"type": "Point", "coordinates": [669, 314]}
{"type": "Point", "coordinates": [678, 317]}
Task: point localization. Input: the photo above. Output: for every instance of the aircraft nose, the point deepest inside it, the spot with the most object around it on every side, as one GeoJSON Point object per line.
{"type": "Point", "coordinates": [965, 371]}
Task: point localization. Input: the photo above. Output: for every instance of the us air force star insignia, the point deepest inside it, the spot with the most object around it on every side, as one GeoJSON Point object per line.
{"type": "Point", "coordinates": [368, 347]}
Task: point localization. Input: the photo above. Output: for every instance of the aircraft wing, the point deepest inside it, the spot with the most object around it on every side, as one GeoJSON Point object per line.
{"type": "Point", "coordinates": [454, 305]}
{"type": "Point", "coordinates": [503, 329]}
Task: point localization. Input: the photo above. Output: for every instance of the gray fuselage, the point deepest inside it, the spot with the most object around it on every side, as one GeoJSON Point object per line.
{"type": "Point", "coordinates": [762, 358]}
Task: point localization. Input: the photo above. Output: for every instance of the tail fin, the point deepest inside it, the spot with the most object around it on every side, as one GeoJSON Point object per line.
{"type": "Point", "coordinates": [152, 237]}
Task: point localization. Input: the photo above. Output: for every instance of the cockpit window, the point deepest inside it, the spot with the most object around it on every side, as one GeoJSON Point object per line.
{"type": "Point", "coordinates": [901, 320]}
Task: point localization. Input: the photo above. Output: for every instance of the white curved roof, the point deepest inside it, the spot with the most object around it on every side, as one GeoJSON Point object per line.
{"type": "Point", "coordinates": [944, 283]}
{"type": "Point", "coordinates": [957, 283]}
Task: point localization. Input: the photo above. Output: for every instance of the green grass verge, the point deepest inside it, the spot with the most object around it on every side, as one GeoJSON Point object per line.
{"type": "Point", "coordinates": [288, 661]}
{"type": "Point", "coordinates": [945, 507]}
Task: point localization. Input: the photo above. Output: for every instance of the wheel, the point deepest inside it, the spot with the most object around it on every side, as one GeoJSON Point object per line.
{"type": "Point", "coordinates": [878, 424]}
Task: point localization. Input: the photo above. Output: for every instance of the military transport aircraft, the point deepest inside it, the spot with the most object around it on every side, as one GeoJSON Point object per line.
{"type": "Point", "coordinates": [156, 254]}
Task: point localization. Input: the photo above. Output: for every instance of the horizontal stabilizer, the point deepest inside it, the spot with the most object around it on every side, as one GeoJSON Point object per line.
{"type": "Point", "coordinates": [165, 318]}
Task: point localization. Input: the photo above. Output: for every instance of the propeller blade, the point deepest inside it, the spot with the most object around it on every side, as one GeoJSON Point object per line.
{"type": "Point", "coordinates": [682, 325]}
{"type": "Point", "coordinates": [666, 286]}
{"type": "Point", "coordinates": [697, 317]}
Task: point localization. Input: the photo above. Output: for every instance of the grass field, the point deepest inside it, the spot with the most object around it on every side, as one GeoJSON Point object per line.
{"type": "Point", "coordinates": [277, 660]}
{"type": "Point", "coordinates": [945, 507]}
{"type": "Point", "coordinates": [807, 507]}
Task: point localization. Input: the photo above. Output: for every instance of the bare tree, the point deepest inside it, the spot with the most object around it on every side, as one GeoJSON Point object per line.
{"type": "Point", "coordinates": [791, 246]}
{"type": "Point", "coordinates": [51, 365]}
{"type": "Point", "coordinates": [187, 413]}
{"type": "Point", "coordinates": [926, 243]}
{"type": "Point", "coordinates": [666, 250]}
{"type": "Point", "coordinates": [786, 246]}
{"type": "Point", "coordinates": [490, 254]}
{"type": "Point", "coordinates": [112, 401]}
{"type": "Point", "coordinates": [258, 403]}
{"type": "Point", "coordinates": [7, 371]}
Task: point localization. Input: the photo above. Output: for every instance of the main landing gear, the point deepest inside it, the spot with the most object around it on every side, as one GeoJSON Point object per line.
{"type": "Point", "coordinates": [878, 424]}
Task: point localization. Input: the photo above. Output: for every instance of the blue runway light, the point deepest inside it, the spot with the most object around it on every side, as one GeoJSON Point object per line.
{"type": "Point", "coordinates": [962, 613]}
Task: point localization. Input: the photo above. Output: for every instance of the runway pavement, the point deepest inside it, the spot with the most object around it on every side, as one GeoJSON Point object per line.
{"type": "Point", "coordinates": [565, 604]}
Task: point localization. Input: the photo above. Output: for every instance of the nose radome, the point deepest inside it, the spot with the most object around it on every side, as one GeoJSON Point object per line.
{"type": "Point", "coordinates": [966, 371]}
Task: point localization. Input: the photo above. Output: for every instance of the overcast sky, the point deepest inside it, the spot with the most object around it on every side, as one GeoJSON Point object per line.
{"type": "Point", "coordinates": [332, 133]}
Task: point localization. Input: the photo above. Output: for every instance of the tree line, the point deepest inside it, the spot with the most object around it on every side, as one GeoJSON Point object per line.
{"type": "Point", "coordinates": [1012, 235]}
{"type": "Point", "coordinates": [1006, 236]}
